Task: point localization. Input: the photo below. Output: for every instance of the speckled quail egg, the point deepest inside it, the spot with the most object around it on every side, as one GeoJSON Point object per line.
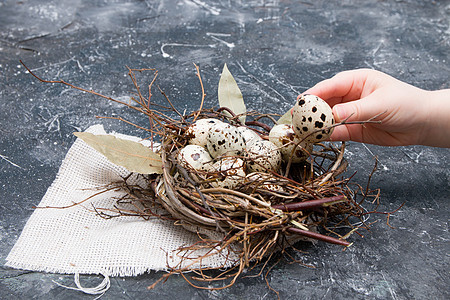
{"type": "Point", "coordinates": [284, 137]}
{"type": "Point", "coordinates": [224, 139]}
{"type": "Point", "coordinates": [249, 135]}
{"type": "Point", "coordinates": [310, 114]}
{"type": "Point", "coordinates": [263, 156]}
{"type": "Point", "coordinates": [231, 170]}
{"type": "Point", "coordinates": [194, 157]}
{"type": "Point", "coordinates": [198, 132]}
{"type": "Point", "coordinates": [262, 180]}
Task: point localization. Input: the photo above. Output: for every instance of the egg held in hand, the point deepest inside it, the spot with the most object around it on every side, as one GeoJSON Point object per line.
{"type": "Point", "coordinates": [312, 119]}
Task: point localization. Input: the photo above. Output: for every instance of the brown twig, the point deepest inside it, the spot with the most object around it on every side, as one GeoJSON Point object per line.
{"type": "Point", "coordinates": [309, 204]}
{"type": "Point", "coordinates": [318, 236]}
{"type": "Point", "coordinates": [203, 93]}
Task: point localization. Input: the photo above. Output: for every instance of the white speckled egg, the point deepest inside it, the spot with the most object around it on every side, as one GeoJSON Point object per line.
{"type": "Point", "coordinates": [231, 170]}
{"type": "Point", "coordinates": [195, 157]}
{"type": "Point", "coordinates": [309, 114]}
{"type": "Point", "coordinates": [198, 132]}
{"type": "Point", "coordinates": [263, 156]}
{"type": "Point", "coordinates": [224, 139]}
{"type": "Point", "coordinates": [284, 137]}
{"type": "Point", "coordinates": [263, 181]}
{"type": "Point", "coordinates": [249, 135]}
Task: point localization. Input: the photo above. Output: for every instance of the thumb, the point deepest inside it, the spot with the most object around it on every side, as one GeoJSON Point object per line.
{"type": "Point", "coordinates": [354, 111]}
{"type": "Point", "coordinates": [358, 110]}
{"type": "Point", "coordinates": [346, 111]}
{"type": "Point", "coordinates": [349, 111]}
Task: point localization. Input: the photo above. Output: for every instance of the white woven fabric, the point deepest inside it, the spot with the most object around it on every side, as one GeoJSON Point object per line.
{"type": "Point", "coordinates": [77, 240]}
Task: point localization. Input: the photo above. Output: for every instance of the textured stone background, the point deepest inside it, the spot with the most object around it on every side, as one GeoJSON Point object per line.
{"type": "Point", "coordinates": [275, 49]}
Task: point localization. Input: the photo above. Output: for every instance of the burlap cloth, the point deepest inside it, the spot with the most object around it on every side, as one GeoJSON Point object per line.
{"type": "Point", "coordinates": [76, 240]}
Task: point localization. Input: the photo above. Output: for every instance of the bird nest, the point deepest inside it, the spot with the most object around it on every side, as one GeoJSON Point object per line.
{"type": "Point", "coordinates": [263, 214]}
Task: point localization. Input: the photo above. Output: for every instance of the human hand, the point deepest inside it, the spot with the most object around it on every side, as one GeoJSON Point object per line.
{"type": "Point", "coordinates": [408, 115]}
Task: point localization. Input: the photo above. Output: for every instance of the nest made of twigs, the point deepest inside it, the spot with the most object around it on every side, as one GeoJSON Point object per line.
{"type": "Point", "coordinates": [260, 216]}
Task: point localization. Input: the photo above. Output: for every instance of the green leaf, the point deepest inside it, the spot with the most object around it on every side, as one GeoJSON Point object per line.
{"type": "Point", "coordinates": [134, 156]}
{"type": "Point", "coordinates": [286, 118]}
{"type": "Point", "coordinates": [230, 95]}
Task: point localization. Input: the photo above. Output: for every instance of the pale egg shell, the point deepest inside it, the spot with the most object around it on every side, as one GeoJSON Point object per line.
{"type": "Point", "coordinates": [263, 156]}
{"type": "Point", "coordinates": [284, 137]}
{"type": "Point", "coordinates": [263, 181]}
{"type": "Point", "coordinates": [249, 135]}
{"type": "Point", "coordinates": [310, 114]}
{"type": "Point", "coordinates": [198, 131]}
{"type": "Point", "coordinates": [194, 157]}
{"type": "Point", "coordinates": [232, 168]}
{"type": "Point", "coordinates": [224, 139]}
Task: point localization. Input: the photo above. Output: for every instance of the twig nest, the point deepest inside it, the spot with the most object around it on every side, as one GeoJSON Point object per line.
{"type": "Point", "coordinates": [198, 132]}
{"type": "Point", "coordinates": [248, 135]}
{"type": "Point", "coordinates": [284, 137]}
{"type": "Point", "coordinates": [263, 181]}
{"type": "Point", "coordinates": [224, 139]}
{"type": "Point", "coordinates": [194, 157]}
{"type": "Point", "coordinates": [231, 172]}
{"type": "Point", "coordinates": [312, 114]}
{"type": "Point", "coordinates": [263, 156]}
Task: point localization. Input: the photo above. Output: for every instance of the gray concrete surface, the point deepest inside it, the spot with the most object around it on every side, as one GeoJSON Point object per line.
{"type": "Point", "coordinates": [275, 49]}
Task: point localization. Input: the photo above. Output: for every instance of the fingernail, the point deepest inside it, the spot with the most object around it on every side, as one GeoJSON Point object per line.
{"type": "Point", "coordinates": [340, 112]}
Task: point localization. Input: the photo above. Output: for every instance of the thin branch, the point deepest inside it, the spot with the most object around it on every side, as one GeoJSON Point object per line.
{"type": "Point", "coordinates": [203, 93]}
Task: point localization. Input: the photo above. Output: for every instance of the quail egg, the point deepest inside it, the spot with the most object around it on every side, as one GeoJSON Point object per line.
{"type": "Point", "coordinates": [231, 170]}
{"type": "Point", "coordinates": [198, 132]}
{"type": "Point", "coordinates": [224, 139]}
{"type": "Point", "coordinates": [263, 180]}
{"type": "Point", "coordinates": [263, 156]}
{"type": "Point", "coordinates": [284, 137]}
{"type": "Point", "coordinates": [311, 114]}
{"type": "Point", "coordinates": [249, 135]}
{"type": "Point", "coordinates": [194, 157]}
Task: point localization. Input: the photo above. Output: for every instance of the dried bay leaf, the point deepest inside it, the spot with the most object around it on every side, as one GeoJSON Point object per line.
{"type": "Point", "coordinates": [131, 155]}
{"type": "Point", "coordinates": [230, 95]}
{"type": "Point", "coordinates": [286, 118]}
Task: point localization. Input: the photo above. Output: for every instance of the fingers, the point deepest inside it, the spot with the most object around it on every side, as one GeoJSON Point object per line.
{"type": "Point", "coordinates": [358, 96]}
{"type": "Point", "coordinates": [344, 86]}
{"type": "Point", "coordinates": [359, 111]}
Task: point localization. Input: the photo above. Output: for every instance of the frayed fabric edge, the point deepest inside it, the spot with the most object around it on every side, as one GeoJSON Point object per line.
{"type": "Point", "coordinates": [111, 271]}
